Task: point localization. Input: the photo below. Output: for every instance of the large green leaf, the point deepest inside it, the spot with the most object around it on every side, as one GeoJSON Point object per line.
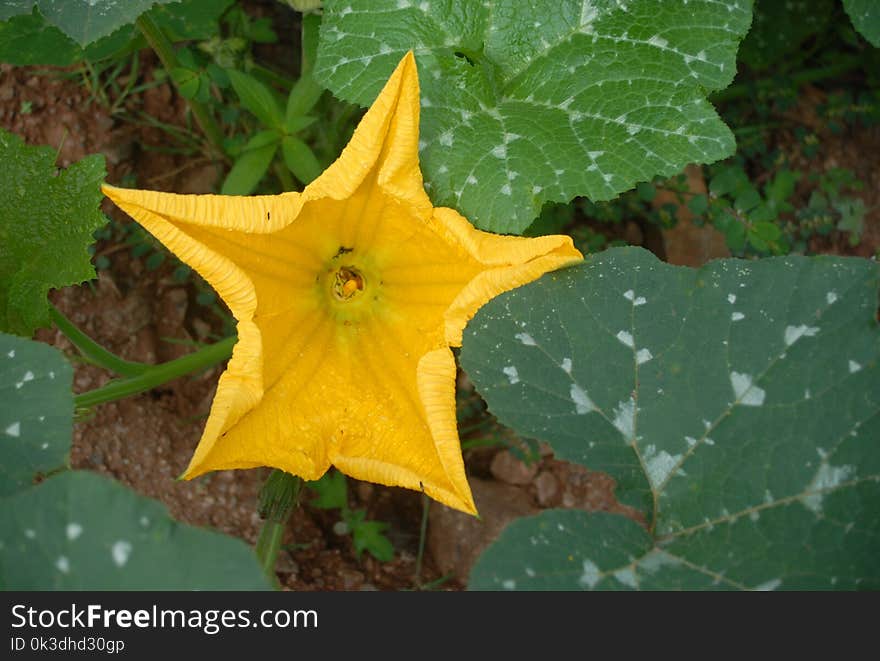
{"type": "Point", "coordinates": [84, 21]}
{"type": "Point", "coordinates": [45, 229]}
{"type": "Point", "coordinates": [735, 405]}
{"type": "Point", "coordinates": [525, 102]}
{"type": "Point", "coordinates": [865, 15]}
{"type": "Point", "coordinates": [80, 530]}
{"type": "Point", "coordinates": [36, 411]}
{"type": "Point", "coordinates": [30, 39]}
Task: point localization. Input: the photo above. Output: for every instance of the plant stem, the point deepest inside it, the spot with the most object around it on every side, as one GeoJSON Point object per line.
{"type": "Point", "coordinates": [156, 375]}
{"type": "Point", "coordinates": [163, 48]}
{"type": "Point", "coordinates": [278, 498]}
{"type": "Point", "coordinates": [268, 545]}
{"type": "Point", "coordinates": [741, 90]}
{"type": "Point", "coordinates": [306, 91]}
{"type": "Point", "coordinates": [423, 533]}
{"type": "Point", "coordinates": [92, 351]}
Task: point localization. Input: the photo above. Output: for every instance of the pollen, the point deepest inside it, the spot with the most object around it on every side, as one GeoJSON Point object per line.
{"type": "Point", "coordinates": [347, 283]}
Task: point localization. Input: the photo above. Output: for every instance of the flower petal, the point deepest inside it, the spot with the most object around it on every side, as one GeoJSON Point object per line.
{"type": "Point", "coordinates": [508, 262]}
{"type": "Point", "coordinates": [397, 439]}
{"type": "Point", "coordinates": [386, 139]}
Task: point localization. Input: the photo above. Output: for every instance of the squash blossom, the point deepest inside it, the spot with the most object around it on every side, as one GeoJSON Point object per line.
{"type": "Point", "coordinates": [348, 297]}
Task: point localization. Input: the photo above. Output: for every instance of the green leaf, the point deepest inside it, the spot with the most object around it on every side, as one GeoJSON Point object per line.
{"type": "Point", "coordinates": [36, 411]}
{"type": "Point", "coordinates": [332, 491]}
{"type": "Point", "coordinates": [524, 103]}
{"type": "Point", "coordinates": [189, 20]}
{"type": "Point", "coordinates": [45, 229]}
{"type": "Point", "coordinates": [370, 536]}
{"type": "Point", "coordinates": [257, 98]}
{"type": "Point", "coordinates": [252, 164]}
{"type": "Point", "coordinates": [779, 28]}
{"type": "Point", "coordinates": [698, 204]}
{"type": "Point", "coordinates": [11, 8]}
{"type": "Point", "coordinates": [297, 123]}
{"type": "Point", "coordinates": [300, 159]}
{"type": "Point", "coordinates": [733, 229]}
{"type": "Point", "coordinates": [736, 406]}
{"type": "Point", "coordinates": [852, 217]}
{"type": "Point", "coordinates": [729, 180]}
{"type": "Point", "coordinates": [82, 531]}
{"type": "Point", "coordinates": [781, 187]}
{"type": "Point", "coordinates": [747, 199]}
{"type": "Point", "coordinates": [30, 39]}
{"type": "Point", "coordinates": [84, 21]}
{"type": "Point", "coordinates": [187, 81]}
{"type": "Point", "coordinates": [865, 15]}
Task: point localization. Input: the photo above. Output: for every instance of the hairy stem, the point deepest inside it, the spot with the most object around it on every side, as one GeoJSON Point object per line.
{"type": "Point", "coordinates": [156, 375]}
{"type": "Point", "coordinates": [92, 351]}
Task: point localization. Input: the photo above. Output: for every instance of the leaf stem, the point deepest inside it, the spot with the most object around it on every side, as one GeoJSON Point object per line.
{"type": "Point", "coordinates": [92, 351]}
{"type": "Point", "coordinates": [156, 375]}
{"type": "Point", "coordinates": [306, 91]}
{"type": "Point", "coordinates": [164, 49]}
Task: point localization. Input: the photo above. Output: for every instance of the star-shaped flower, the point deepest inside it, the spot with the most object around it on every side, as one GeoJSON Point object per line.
{"type": "Point", "coordinates": [348, 297]}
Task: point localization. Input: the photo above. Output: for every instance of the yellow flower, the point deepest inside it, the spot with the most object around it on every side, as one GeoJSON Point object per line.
{"type": "Point", "coordinates": [348, 297]}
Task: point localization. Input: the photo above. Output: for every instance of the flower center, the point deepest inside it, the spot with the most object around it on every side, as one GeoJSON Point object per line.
{"type": "Point", "coordinates": [347, 283]}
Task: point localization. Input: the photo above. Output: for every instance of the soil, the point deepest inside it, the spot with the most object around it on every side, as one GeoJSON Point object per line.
{"type": "Point", "coordinates": [147, 315]}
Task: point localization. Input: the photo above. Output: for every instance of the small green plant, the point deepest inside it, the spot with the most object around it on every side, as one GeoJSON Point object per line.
{"type": "Point", "coordinates": [369, 536]}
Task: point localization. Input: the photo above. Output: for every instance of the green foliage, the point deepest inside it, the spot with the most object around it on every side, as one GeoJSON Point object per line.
{"type": "Point", "coordinates": [31, 39]}
{"type": "Point", "coordinates": [282, 128]}
{"type": "Point", "coordinates": [332, 493]}
{"type": "Point", "coordinates": [251, 164]}
{"type": "Point", "coordinates": [767, 221]}
{"type": "Point", "coordinates": [525, 103]}
{"type": "Point", "coordinates": [257, 98]}
{"type": "Point", "coordinates": [84, 21]}
{"type": "Point", "coordinates": [779, 29]}
{"type": "Point", "coordinates": [79, 530]}
{"type": "Point", "coordinates": [45, 229]}
{"type": "Point", "coordinates": [36, 411]}
{"type": "Point", "coordinates": [735, 406]}
{"type": "Point", "coordinates": [865, 15]}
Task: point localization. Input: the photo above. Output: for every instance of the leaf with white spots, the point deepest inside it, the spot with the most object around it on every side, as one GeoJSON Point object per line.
{"type": "Point", "coordinates": [529, 102]}
{"type": "Point", "coordinates": [82, 531]}
{"type": "Point", "coordinates": [36, 411]}
{"type": "Point", "coordinates": [749, 444]}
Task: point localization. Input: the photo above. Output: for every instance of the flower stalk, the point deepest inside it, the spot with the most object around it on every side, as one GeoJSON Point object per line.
{"type": "Point", "coordinates": [278, 498]}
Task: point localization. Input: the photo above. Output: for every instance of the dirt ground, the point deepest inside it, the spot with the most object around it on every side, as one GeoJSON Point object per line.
{"type": "Point", "coordinates": [146, 441]}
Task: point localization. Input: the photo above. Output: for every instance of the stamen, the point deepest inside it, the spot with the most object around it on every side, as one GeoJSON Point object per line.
{"type": "Point", "coordinates": [347, 282]}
